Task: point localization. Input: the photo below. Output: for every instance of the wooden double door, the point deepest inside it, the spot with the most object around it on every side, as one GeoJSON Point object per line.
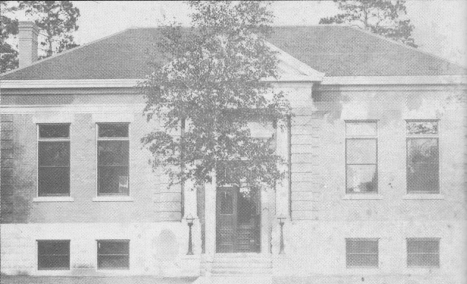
{"type": "Point", "coordinates": [238, 216]}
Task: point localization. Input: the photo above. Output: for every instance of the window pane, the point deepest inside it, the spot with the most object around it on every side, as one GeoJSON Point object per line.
{"type": "Point", "coordinates": [422, 165]}
{"type": "Point", "coordinates": [113, 153]}
{"type": "Point", "coordinates": [54, 153]}
{"type": "Point", "coordinates": [113, 262]}
{"type": "Point", "coordinates": [113, 247]}
{"type": "Point", "coordinates": [362, 178]}
{"type": "Point", "coordinates": [362, 260]}
{"type": "Point", "coordinates": [360, 128]}
{"type": "Point", "coordinates": [54, 181]}
{"type": "Point", "coordinates": [113, 254]}
{"type": "Point", "coordinates": [113, 180]}
{"type": "Point", "coordinates": [361, 151]}
{"type": "Point", "coordinates": [422, 127]}
{"type": "Point", "coordinates": [422, 246]}
{"type": "Point", "coordinates": [54, 131]}
{"type": "Point", "coordinates": [423, 260]}
{"type": "Point", "coordinates": [113, 130]}
{"type": "Point", "coordinates": [53, 255]}
{"type": "Point", "coordinates": [54, 262]}
{"type": "Point", "coordinates": [362, 252]}
{"type": "Point", "coordinates": [53, 247]}
{"type": "Point", "coordinates": [226, 202]}
{"type": "Point", "coordinates": [362, 246]}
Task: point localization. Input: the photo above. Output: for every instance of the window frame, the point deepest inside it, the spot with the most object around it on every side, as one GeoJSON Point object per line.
{"type": "Point", "coordinates": [422, 136]}
{"type": "Point", "coordinates": [52, 241]}
{"type": "Point", "coordinates": [361, 137]}
{"type": "Point", "coordinates": [60, 139]}
{"type": "Point", "coordinates": [99, 139]}
{"type": "Point", "coordinates": [362, 266]}
{"type": "Point", "coordinates": [114, 241]}
{"type": "Point", "coordinates": [438, 240]}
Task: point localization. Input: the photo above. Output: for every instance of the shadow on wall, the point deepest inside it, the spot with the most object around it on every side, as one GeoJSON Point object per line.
{"type": "Point", "coordinates": [166, 250]}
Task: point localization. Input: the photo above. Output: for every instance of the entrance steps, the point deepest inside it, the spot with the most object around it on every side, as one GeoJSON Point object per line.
{"type": "Point", "coordinates": [235, 268]}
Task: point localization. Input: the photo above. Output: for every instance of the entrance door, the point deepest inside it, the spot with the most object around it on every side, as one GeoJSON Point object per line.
{"type": "Point", "coordinates": [238, 220]}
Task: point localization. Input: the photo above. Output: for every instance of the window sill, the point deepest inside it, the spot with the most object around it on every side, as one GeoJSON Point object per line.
{"type": "Point", "coordinates": [53, 199]}
{"type": "Point", "coordinates": [112, 199]}
{"type": "Point", "coordinates": [362, 197]}
{"type": "Point", "coordinates": [422, 196]}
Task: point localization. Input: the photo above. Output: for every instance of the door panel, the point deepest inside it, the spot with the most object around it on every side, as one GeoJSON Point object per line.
{"type": "Point", "coordinates": [238, 220]}
{"type": "Point", "coordinates": [226, 219]}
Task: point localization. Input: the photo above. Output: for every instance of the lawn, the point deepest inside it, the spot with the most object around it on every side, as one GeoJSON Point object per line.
{"type": "Point", "coordinates": [92, 280]}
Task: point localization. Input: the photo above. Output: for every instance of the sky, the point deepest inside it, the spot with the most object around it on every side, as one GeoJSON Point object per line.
{"type": "Point", "coordinates": [440, 25]}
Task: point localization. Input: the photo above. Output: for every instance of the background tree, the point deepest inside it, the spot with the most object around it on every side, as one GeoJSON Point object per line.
{"type": "Point", "coordinates": [57, 19]}
{"type": "Point", "coordinates": [383, 17]}
{"type": "Point", "coordinates": [9, 27]}
{"type": "Point", "coordinates": [211, 84]}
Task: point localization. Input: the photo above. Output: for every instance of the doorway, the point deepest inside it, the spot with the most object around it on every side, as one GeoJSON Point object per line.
{"type": "Point", "coordinates": [238, 219]}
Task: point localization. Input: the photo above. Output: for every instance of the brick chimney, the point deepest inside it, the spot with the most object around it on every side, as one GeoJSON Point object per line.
{"type": "Point", "coordinates": [28, 32]}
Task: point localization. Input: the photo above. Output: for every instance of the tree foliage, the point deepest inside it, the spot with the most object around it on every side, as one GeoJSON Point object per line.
{"type": "Point", "coordinates": [210, 84]}
{"type": "Point", "coordinates": [9, 27]}
{"type": "Point", "coordinates": [57, 20]}
{"type": "Point", "coordinates": [383, 17]}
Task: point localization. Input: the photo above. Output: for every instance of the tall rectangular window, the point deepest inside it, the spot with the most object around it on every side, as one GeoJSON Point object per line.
{"type": "Point", "coordinates": [361, 147]}
{"type": "Point", "coordinates": [422, 157]}
{"type": "Point", "coordinates": [113, 254]}
{"type": "Point", "coordinates": [422, 252]}
{"type": "Point", "coordinates": [113, 159]}
{"type": "Point", "coordinates": [53, 254]}
{"type": "Point", "coordinates": [54, 160]}
{"type": "Point", "coordinates": [361, 252]}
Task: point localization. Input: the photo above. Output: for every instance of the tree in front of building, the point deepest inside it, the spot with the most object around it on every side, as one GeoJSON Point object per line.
{"type": "Point", "coordinates": [56, 20]}
{"type": "Point", "coordinates": [207, 89]}
{"type": "Point", "coordinates": [383, 17]}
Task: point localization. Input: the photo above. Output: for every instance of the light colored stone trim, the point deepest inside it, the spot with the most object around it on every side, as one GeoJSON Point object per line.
{"type": "Point", "coordinates": [421, 196]}
{"type": "Point", "coordinates": [362, 197]}
{"type": "Point", "coordinates": [53, 199]}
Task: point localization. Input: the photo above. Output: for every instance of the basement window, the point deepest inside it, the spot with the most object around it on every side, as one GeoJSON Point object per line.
{"type": "Point", "coordinates": [54, 160]}
{"type": "Point", "coordinates": [113, 159]}
{"type": "Point", "coordinates": [362, 252]}
{"type": "Point", "coordinates": [53, 254]}
{"type": "Point", "coordinates": [361, 147]}
{"type": "Point", "coordinates": [422, 252]}
{"type": "Point", "coordinates": [113, 254]}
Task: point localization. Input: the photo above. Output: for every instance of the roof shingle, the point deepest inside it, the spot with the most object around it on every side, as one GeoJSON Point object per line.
{"type": "Point", "coordinates": [334, 50]}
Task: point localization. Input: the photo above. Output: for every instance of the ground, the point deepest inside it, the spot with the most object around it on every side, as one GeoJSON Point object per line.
{"type": "Point", "coordinates": [92, 280]}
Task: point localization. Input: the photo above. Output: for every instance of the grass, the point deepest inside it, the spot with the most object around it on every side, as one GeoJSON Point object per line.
{"type": "Point", "coordinates": [92, 280]}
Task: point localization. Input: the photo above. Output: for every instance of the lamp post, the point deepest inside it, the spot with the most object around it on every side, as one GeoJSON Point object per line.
{"type": "Point", "coordinates": [281, 223]}
{"type": "Point", "coordinates": [189, 221]}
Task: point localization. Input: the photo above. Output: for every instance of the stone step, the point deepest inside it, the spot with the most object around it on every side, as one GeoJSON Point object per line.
{"type": "Point", "coordinates": [245, 261]}
{"type": "Point", "coordinates": [251, 279]}
{"type": "Point", "coordinates": [242, 264]}
{"type": "Point", "coordinates": [241, 271]}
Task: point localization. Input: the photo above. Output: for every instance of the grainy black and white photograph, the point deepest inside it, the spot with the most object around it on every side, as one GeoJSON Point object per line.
{"type": "Point", "coordinates": [233, 142]}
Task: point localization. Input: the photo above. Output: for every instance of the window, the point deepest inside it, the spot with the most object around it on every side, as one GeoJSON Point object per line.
{"type": "Point", "coordinates": [53, 255]}
{"type": "Point", "coordinates": [362, 252]}
{"type": "Point", "coordinates": [422, 252]}
{"type": "Point", "coordinates": [113, 159]}
{"type": "Point", "coordinates": [54, 160]}
{"type": "Point", "coordinates": [361, 147]}
{"type": "Point", "coordinates": [113, 254]}
{"type": "Point", "coordinates": [422, 157]}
